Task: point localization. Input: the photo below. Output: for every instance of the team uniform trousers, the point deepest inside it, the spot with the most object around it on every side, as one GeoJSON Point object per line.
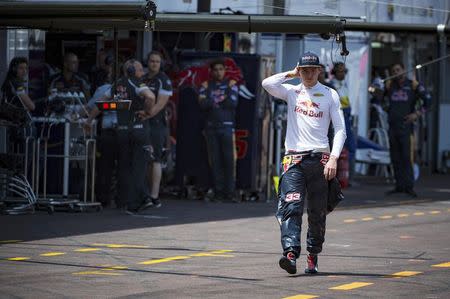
{"type": "Point", "coordinates": [108, 147]}
{"type": "Point", "coordinates": [302, 179]}
{"type": "Point", "coordinates": [222, 159]}
{"type": "Point", "coordinates": [132, 164]}
{"type": "Point", "coordinates": [401, 157]}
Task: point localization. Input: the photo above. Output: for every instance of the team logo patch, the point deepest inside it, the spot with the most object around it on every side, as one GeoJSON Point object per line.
{"type": "Point", "coordinates": [292, 197]}
{"type": "Point", "coordinates": [308, 104]}
{"type": "Point", "coordinates": [289, 160]}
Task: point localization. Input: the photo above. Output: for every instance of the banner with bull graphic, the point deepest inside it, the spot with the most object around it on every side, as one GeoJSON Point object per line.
{"type": "Point", "coordinates": [191, 155]}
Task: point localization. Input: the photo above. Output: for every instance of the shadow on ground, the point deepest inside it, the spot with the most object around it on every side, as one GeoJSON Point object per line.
{"type": "Point", "coordinates": [368, 193]}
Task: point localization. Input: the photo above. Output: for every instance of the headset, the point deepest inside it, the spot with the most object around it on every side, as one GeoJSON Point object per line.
{"type": "Point", "coordinates": [336, 65]}
{"type": "Point", "coordinates": [154, 52]}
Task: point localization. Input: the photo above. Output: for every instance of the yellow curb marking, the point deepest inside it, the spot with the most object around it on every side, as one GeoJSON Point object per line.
{"type": "Point", "coordinates": [19, 258]}
{"type": "Point", "coordinates": [52, 253]}
{"type": "Point", "coordinates": [164, 260]}
{"type": "Point", "coordinates": [385, 217]}
{"type": "Point", "coordinates": [351, 286]}
{"type": "Point", "coordinates": [367, 218]}
{"type": "Point", "coordinates": [419, 213]}
{"type": "Point", "coordinates": [97, 273]}
{"type": "Point", "coordinates": [435, 212]}
{"type": "Point", "coordinates": [349, 220]}
{"type": "Point", "coordinates": [443, 265]}
{"type": "Point", "coordinates": [87, 249]}
{"type": "Point", "coordinates": [402, 215]}
{"type": "Point", "coordinates": [9, 241]}
{"type": "Point", "coordinates": [120, 245]}
{"type": "Point", "coordinates": [404, 274]}
{"type": "Point", "coordinates": [301, 297]}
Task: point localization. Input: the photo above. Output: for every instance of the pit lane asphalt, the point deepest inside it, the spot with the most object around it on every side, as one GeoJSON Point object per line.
{"type": "Point", "coordinates": [376, 247]}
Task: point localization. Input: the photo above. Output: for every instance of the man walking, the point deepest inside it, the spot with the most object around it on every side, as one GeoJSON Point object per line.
{"type": "Point", "coordinates": [308, 164]}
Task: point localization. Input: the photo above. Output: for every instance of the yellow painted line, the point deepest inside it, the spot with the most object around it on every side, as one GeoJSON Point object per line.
{"type": "Point", "coordinates": [435, 212]}
{"type": "Point", "coordinates": [97, 273]}
{"type": "Point", "coordinates": [367, 218]}
{"type": "Point", "coordinates": [221, 251]}
{"type": "Point", "coordinates": [351, 286]}
{"type": "Point", "coordinates": [119, 245]}
{"type": "Point", "coordinates": [19, 258]}
{"type": "Point", "coordinates": [9, 241]}
{"type": "Point", "coordinates": [349, 220]}
{"type": "Point", "coordinates": [301, 296]}
{"type": "Point", "coordinates": [165, 260]}
{"type": "Point", "coordinates": [87, 249]}
{"type": "Point", "coordinates": [402, 215]}
{"type": "Point", "coordinates": [404, 274]}
{"type": "Point", "coordinates": [385, 217]}
{"type": "Point", "coordinates": [443, 265]}
{"type": "Point", "coordinates": [111, 267]}
{"type": "Point", "coordinates": [202, 254]}
{"type": "Point", "coordinates": [52, 253]}
{"type": "Point", "coordinates": [419, 213]}
{"type": "Point", "coordinates": [406, 237]}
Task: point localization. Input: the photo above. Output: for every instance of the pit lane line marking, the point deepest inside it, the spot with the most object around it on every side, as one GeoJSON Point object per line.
{"type": "Point", "coordinates": [404, 274]}
{"type": "Point", "coordinates": [301, 296]}
{"type": "Point", "coordinates": [19, 258]}
{"type": "Point", "coordinates": [52, 253]}
{"type": "Point", "coordinates": [351, 286]}
{"type": "Point", "coordinates": [100, 272]}
{"type": "Point", "coordinates": [443, 265]}
{"type": "Point", "coordinates": [219, 253]}
{"type": "Point", "coordinates": [400, 215]}
{"type": "Point", "coordinates": [87, 249]}
{"type": "Point", "coordinates": [120, 246]}
{"type": "Point", "coordinates": [110, 270]}
{"type": "Point", "coordinates": [359, 284]}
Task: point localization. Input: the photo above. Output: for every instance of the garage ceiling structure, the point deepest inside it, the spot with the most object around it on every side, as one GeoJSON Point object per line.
{"type": "Point", "coordinates": [107, 15]}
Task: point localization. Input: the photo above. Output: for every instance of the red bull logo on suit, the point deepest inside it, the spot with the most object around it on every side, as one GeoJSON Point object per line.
{"type": "Point", "coordinates": [306, 107]}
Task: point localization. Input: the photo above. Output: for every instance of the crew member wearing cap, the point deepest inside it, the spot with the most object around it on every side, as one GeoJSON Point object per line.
{"type": "Point", "coordinates": [308, 163]}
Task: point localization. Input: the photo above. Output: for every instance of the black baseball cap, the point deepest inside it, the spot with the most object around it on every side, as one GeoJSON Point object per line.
{"type": "Point", "coordinates": [309, 59]}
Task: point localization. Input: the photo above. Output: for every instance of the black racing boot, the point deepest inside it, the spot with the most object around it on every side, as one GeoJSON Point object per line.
{"type": "Point", "coordinates": [288, 263]}
{"type": "Point", "coordinates": [312, 264]}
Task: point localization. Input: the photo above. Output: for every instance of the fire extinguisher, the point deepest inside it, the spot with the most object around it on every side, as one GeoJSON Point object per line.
{"type": "Point", "coordinates": [343, 168]}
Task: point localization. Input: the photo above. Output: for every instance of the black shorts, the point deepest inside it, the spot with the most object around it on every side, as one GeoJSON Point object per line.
{"type": "Point", "coordinates": [158, 139]}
